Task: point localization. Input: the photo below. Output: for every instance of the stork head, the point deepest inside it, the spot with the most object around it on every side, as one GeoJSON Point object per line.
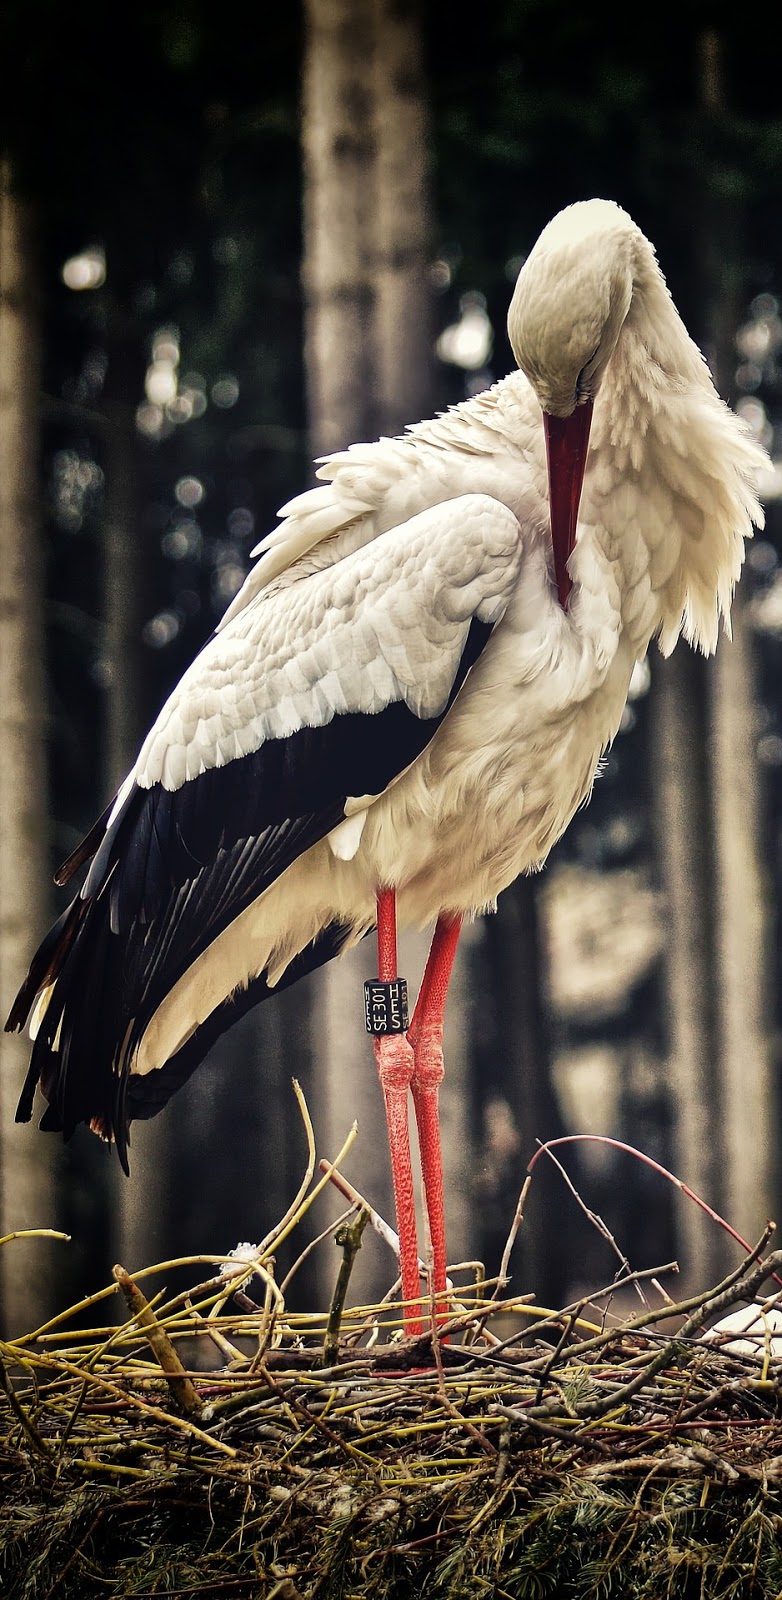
{"type": "Point", "coordinates": [568, 308]}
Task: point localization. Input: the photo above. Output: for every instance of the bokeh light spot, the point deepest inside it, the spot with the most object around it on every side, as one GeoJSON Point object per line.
{"type": "Point", "coordinates": [84, 271]}
{"type": "Point", "coordinates": [189, 491]}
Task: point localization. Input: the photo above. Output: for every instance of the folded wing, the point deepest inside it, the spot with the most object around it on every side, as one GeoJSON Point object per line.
{"type": "Point", "coordinates": [326, 690]}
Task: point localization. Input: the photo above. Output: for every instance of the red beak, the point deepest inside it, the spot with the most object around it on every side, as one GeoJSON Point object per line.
{"type": "Point", "coordinates": [567, 440]}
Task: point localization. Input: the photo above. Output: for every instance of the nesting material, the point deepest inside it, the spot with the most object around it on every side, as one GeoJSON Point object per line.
{"type": "Point", "coordinates": [200, 1447]}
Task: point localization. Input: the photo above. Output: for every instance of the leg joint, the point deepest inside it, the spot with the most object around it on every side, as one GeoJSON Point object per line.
{"type": "Point", "coordinates": [395, 1061]}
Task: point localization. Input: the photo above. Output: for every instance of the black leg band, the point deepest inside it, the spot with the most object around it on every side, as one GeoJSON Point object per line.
{"type": "Point", "coordinates": [385, 1007]}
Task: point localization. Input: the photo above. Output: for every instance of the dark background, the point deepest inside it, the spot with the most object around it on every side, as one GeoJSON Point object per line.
{"type": "Point", "coordinates": [164, 141]}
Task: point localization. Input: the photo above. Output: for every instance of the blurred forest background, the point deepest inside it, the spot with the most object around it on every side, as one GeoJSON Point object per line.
{"type": "Point", "coordinates": [232, 238]}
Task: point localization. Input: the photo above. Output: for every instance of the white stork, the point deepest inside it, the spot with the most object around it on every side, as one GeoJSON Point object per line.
{"type": "Point", "coordinates": [406, 703]}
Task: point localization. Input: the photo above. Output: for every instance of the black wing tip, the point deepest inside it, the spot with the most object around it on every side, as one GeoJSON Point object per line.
{"type": "Point", "coordinates": [46, 964]}
{"type": "Point", "coordinates": [18, 1014]}
{"type": "Point", "coordinates": [84, 851]}
{"type": "Point", "coordinates": [25, 1000]}
{"type": "Point", "coordinates": [24, 1109]}
{"type": "Point", "coordinates": [53, 1122]}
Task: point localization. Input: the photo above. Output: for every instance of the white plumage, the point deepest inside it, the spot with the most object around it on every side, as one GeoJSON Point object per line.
{"type": "Point", "coordinates": [384, 624]}
{"type": "Point", "coordinates": [411, 552]}
{"type": "Point", "coordinates": [668, 499]}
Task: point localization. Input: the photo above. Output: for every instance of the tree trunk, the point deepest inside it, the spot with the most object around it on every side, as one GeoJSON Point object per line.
{"type": "Point", "coordinates": [743, 922]}
{"type": "Point", "coordinates": [338, 150]}
{"type": "Point", "coordinates": [143, 1207]}
{"type": "Point", "coordinates": [29, 1160]}
{"type": "Point", "coordinates": [749, 1093]}
{"type": "Point", "coordinates": [710, 832]}
{"type": "Point", "coordinates": [682, 794]}
{"type": "Point", "coordinates": [402, 287]}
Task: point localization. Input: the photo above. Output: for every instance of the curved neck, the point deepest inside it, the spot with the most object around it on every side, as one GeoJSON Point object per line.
{"type": "Point", "coordinates": [671, 492]}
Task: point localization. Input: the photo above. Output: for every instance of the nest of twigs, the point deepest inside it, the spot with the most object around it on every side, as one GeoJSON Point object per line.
{"type": "Point", "coordinates": [506, 1451]}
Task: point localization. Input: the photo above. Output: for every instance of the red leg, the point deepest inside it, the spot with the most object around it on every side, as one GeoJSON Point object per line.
{"type": "Point", "coordinates": [394, 1059]}
{"type": "Point", "coordinates": [426, 1036]}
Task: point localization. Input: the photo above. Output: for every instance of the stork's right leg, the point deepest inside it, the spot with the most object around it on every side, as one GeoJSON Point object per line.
{"type": "Point", "coordinates": [395, 1062]}
{"type": "Point", "coordinates": [426, 1037]}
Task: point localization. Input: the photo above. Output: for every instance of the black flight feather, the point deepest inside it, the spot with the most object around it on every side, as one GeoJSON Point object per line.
{"type": "Point", "coordinates": [173, 870]}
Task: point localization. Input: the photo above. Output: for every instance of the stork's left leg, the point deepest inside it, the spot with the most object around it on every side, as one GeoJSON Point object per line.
{"type": "Point", "coordinates": [394, 1059]}
{"type": "Point", "coordinates": [426, 1036]}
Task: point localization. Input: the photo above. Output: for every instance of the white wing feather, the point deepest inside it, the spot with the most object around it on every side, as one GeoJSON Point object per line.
{"type": "Point", "coordinates": [388, 623]}
{"type": "Point", "coordinates": [492, 444]}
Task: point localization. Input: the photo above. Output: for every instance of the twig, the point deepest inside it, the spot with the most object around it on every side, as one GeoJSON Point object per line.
{"type": "Point", "coordinates": [313, 1245]}
{"type": "Point", "coordinates": [25, 1422]}
{"type": "Point", "coordinates": [716, 1301]}
{"type": "Point", "coordinates": [569, 1324]}
{"type": "Point", "coordinates": [576, 1307]}
{"type": "Point", "coordinates": [58, 1364]}
{"type": "Point", "coordinates": [464, 1422]}
{"type": "Point", "coordinates": [315, 1421]}
{"type": "Point", "coordinates": [530, 1419]}
{"type": "Point", "coordinates": [683, 1307]}
{"type": "Point", "coordinates": [310, 1168]}
{"type": "Point", "coordinates": [182, 1387]}
{"type": "Point", "coordinates": [227, 1350]}
{"type": "Point", "coordinates": [34, 1233]}
{"type": "Point", "coordinates": [389, 1237]}
{"type": "Point", "coordinates": [45, 1330]}
{"type": "Point", "coordinates": [503, 1456]}
{"type": "Point", "coordinates": [593, 1216]}
{"type": "Point", "coordinates": [349, 1192]}
{"type": "Point", "coordinates": [737, 1386]}
{"type": "Point", "coordinates": [281, 1233]}
{"type": "Point", "coordinates": [656, 1166]}
{"type": "Point", "coordinates": [349, 1238]}
{"type": "Point", "coordinates": [518, 1217]}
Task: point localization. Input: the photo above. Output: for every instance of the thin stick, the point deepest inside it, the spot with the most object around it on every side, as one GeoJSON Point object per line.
{"type": "Point", "coordinates": [25, 1422]}
{"type": "Point", "coordinates": [743, 1287]}
{"type": "Point", "coordinates": [182, 1388]}
{"type": "Point", "coordinates": [349, 1237]}
{"type": "Point", "coordinates": [381, 1227]}
{"type": "Point", "coordinates": [310, 1168]}
{"type": "Point", "coordinates": [656, 1166]}
{"type": "Point", "coordinates": [313, 1244]}
{"type": "Point", "coordinates": [315, 1421]}
{"type": "Point", "coordinates": [34, 1233]}
{"type": "Point", "coordinates": [595, 1218]}
{"type": "Point", "coordinates": [715, 1300]}
{"type": "Point", "coordinates": [385, 1232]}
{"type": "Point", "coordinates": [281, 1234]}
{"type": "Point", "coordinates": [228, 1350]}
{"type": "Point", "coordinates": [475, 1433]}
{"type": "Point", "coordinates": [226, 1259]}
{"type": "Point", "coordinates": [518, 1218]}
{"type": "Point", "coordinates": [126, 1395]}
